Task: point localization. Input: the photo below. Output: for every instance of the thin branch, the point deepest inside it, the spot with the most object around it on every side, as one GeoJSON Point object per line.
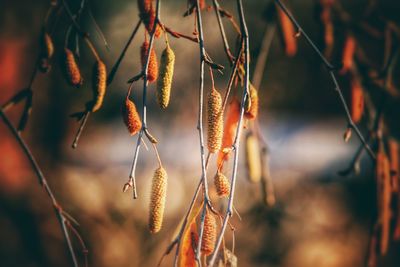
{"type": "Point", "coordinates": [43, 182]}
{"type": "Point", "coordinates": [331, 70]}
{"type": "Point", "coordinates": [245, 39]}
{"type": "Point", "coordinates": [222, 31]}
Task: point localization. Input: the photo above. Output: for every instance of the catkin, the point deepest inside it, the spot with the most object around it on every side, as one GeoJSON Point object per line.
{"type": "Point", "coordinates": [384, 198]}
{"type": "Point", "coordinates": [357, 101]}
{"type": "Point", "coordinates": [253, 160]}
{"type": "Point", "coordinates": [209, 234]}
{"type": "Point", "coordinates": [252, 108]}
{"type": "Point", "coordinates": [152, 70]}
{"type": "Point", "coordinates": [215, 121]}
{"type": "Point", "coordinates": [131, 117]}
{"type": "Point", "coordinates": [46, 52]}
{"type": "Point", "coordinates": [288, 33]}
{"type": "Point", "coordinates": [99, 84]}
{"type": "Point", "coordinates": [148, 15]}
{"type": "Point", "coordinates": [166, 74]}
{"type": "Point", "coordinates": [394, 164]}
{"type": "Point", "coordinates": [348, 53]}
{"type": "Point", "coordinates": [73, 72]}
{"type": "Point", "coordinates": [222, 184]}
{"type": "Point", "coordinates": [157, 200]}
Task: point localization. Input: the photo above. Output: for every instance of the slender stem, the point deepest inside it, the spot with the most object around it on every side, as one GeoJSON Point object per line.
{"type": "Point", "coordinates": [43, 182]}
{"type": "Point", "coordinates": [331, 70]}
{"type": "Point", "coordinates": [80, 130]}
{"type": "Point", "coordinates": [222, 31]}
{"type": "Point", "coordinates": [245, 38]}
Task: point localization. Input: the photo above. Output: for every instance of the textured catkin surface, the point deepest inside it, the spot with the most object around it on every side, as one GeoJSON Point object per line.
{"type": "Point", "coordinates": [253, 160]}
{"type": "Point", "coordinates": [214, 121]}
{"type": "Point", "coordinates": [152, 70]}
{"type": "Point", "coordinates": [222, 184]}
{"type": "Point", "coordinates": [252, 112]}
{"type": "Point", "coordinates": [99, 84]}
{"type": "Point", "coordinates": [131, 117]}
{"type": "Point", "coordinates": [165, 81]}
{"type": "Point", "coordinates": [157, 200]}
{"type": "Point", "coordinates": [73, 72]}
{"type": "Point", "coordinates": [209, 235]}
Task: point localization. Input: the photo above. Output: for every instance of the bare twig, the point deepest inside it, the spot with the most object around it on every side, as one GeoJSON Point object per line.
{"type": "Point", "coordinates": [43, 182]}
{"type": "Point", "coordinates": [222, 31]}
{"type": "Point", "coordinates": [331, 70]}
{"type": "Point", "coordinates": [236, 144]}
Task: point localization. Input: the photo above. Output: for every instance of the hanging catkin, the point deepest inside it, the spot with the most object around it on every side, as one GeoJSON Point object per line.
{"type": "Point", "coordinates": [99, 84]}
{"type": "Point", "coordinates": [384, 198]}
{"type": "Point", "coordinates": [209, 234]}
{"type": "Point", "coordinates": [157, 200]}
{"type": "Point", "coordinates": [288, 33]}
{"type": "Point", "coordinates": [348, 53]}
{"type": "Point", "coordinates": [394, 164]}
{"type": "Point", "coordinates": [357, 100]}
{"type": "Point", "coordinates": [148, 15]}
{"type": "Point", "coordinates": [253, 160]}
{"type": "Point", "coordinates": [222, 184]}
{"type": "Point", "coordinates": [131, 117]}
{"type": "Point", "coordinates": [166, 74]}
{"type": "Point", "coordinates": [73, 72]}
{"type": "Point", "coordinates": [46, 52]}
{"type": "Point", "coordinates": [252, 106]}
{"type": "Point", "coordinates": [214, 121]}
{"type": "Point", "coordinates": [152, 70]}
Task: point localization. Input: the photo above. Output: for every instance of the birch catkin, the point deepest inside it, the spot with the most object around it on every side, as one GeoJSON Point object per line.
{"type": "Point", "coordinates": [215, 121]}
{"type": "Point", "coordinates": [288, 33]}
{"type": "Point", "coordinates": [131, 117]}
{"type": "Point", "coordinates": [222, 184]}
{"type": "Point", "coordinates": [252, 106]}
{"type": "Point", "coordinates": [73, 72]}
{"type": "Point", "coordinates": [166, 74]}
{"type": "Point", "coordinates": [157, 200]}
{"type": "Point", "coordinates": [148, 15]}
{"type": "Point", "coordinates": [99, 84]}
{"type": "Point", "coordinates": [357, 100]}
{"type": "Point", "coordinates": [348, 53]}
{"type": "Point", "coordinates": [209, 234]}
{"type": "Point", "coordinates": [152, 70]}
{"type": "Point", "coordinates": [46, 52]}
{"type": "Point", "coordinates": [253, 160]}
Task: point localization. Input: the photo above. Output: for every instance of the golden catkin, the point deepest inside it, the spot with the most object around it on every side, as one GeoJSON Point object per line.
{"type": "Point", "coordinates": [73, 72]}
{"type": "Point", "coordinates": [46, 52]}
{"type": "Point", "coordinates": [166, 74]}
{"type": "Point", "coordinates": [214, 121]}
{"type": "Point", "coordinates": [131, 117]}
{"type": "Point", "coordinates": [252, 111]}
{"type": "Point", "coordinates": [348, 53]}
{"type": "Point", "coordinates": [357, 101]}
{"type": "Point", "coordinates": [152, 70]}
{"type": "Point", "coordinates": [157, 200]}
{"type": "Point", "coordinates": [99, 84]}
{"type": "Point", "coordinates": [253, 160]}
{"type": "Point", "coordinates": [222, 184]}
{"type": "Point", "coordinates": [209, 234]}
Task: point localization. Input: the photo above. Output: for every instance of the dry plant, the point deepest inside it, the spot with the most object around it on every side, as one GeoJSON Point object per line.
{"type": "Point", "coordinates": [200, 238]}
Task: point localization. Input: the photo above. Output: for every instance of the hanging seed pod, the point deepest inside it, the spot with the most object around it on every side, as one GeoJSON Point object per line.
{"type": "Point", "coordinates": [209, 234]}
{"type": "Point", "coordinates": [384, 198]}
{"type": "Point", "coordinates": [229, 130]}
{"type": "Point", "coordinates": [348, 54]}
{"type": "Point", "coordinates": [46, 52]}
{"type": "Point", "coordinates": [157, 200]}
{"type": "Point", "coordinates": [166, 74]}
{"type": "Point", "coordinates": [72, 70]}
{"type": "Point", "coordinates": [131, 117]}
{"type": "Point", "coordinates": [288, 33]}
{"type": "Point", "coordinates": [148, 15]}
{"type": "Point", "coordinates": [152, 70]}
{"type": "Point", "coordinates": [222, 184]}
{"type": "Point", "coordinates": [252, 106]}
{"type": "Point", "coordinates": [215, 121]}
{"type": "Point", "coordinates": [253, 160]}
{"type": "Point", "coordinates": [357, 100]}
{"type": "Point", "coordinates": [99, 84]}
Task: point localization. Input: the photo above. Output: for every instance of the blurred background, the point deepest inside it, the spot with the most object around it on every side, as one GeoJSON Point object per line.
{"type": "Point", "coordinates": [320, 218]}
